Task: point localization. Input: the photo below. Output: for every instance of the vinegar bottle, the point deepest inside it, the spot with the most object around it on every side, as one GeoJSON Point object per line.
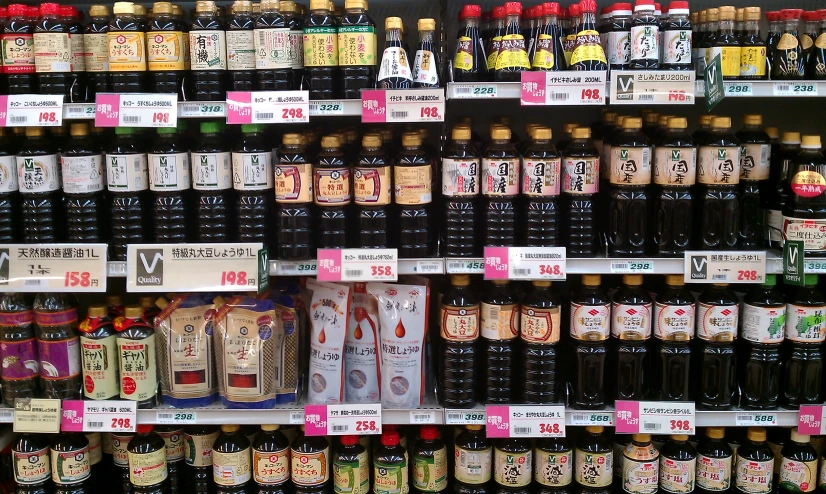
{"type": "Point", "coordinates": [413, 195]}
{"type": "Point", "coordinates": [331, 185]}
{"type": "Point", "coordinates": [631, 310]}
{"type": "Point", "coordinates": [764, 317]}
{"type": "Point", "coordinates": [357, 45]}
{"type": "Point", "coordinates": [590, 330]}
{"type": "Point", "coordinates": [755, 148]}
{"type": "Point", "coordinates": [805, 333]}
{"type": "Point", "coordinates": [294, 196]}
{"type": "Point", "coordinates": [500, 186]}
{"type": "Point", "coordinates": [541, 164]}
{"type": "Point", "coordinates": [580, 186]}
{"type": "Point", "coordinates": [321, 51]}
{"type": "Point", "coordinates": [673, 330]}
{"type": "Point", "coordinates": [717, 323]}
{"type": "Point", "coordinates": [718, 172]}
{"type": "Point", "coordinates": [459, 317]}
{"type": "Point", "coordinates": [460, 192]}
{"type": "Point", "coordinates": [675, 172]}
{"type": "Point", "coordinates": [394, 71]}
{"type": "Point", "coordinates": [127, 50]}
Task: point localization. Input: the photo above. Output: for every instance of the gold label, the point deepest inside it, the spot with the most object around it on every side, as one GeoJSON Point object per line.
{"type": "Point", "coordinates": [459, 323]}
{"type": "Point", "coordinates": [294, 183]}
{"type": "Point", "coordinates": [371, 186]}
{"type": "Point", "coordinates": [147, 469]}
{"type": "Point", "coordinates": [540, 325]}
{"type": "Point", "coordinates": [165, 50]}
{"type": "Point", "coordinates": [310, 468]}
{"type": "Point", "coordinates": [271, 467]}
{"type": "Point", "coordinates": [126, 51]}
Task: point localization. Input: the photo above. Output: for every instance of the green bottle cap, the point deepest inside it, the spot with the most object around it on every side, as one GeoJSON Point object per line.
{"type": "Point", "coordinates": [122, 131]}
{"type": "Point", "coordinates": [810, 279]}
{"type": "Point", "coordinates": [250, 128]}
{"type": "Point", "coordinates": [167, 130]}
{"type": "Point", "coordinates": [771, 280]}
{"type": "Point", "coordinates": [210, 127]}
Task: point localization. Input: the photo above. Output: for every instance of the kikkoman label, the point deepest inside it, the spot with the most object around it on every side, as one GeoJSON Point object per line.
{"type": "Point", "coordinates": [590, 322]}
{"type": "Point", "coordinates": [208, 50]}
{"type": "Point", "coordinates": [294, 183]}
{"type": "Point", "coordinates": [512, 469]}
{"type": "Point", "coordinates": [18, 54]}
{"type": "Point", "coordinates": [673, 322]}
{"type": "Point", "coordinates": [390, 478]}
{"type": "Point", "coordinates": [763, 324]}
{"type": "Point", "coordinates": [372, 186]}
{"type": "Point", "coordinates": [52, 52]}
{"type": "Point", "coordinates": [554, 469]}
{"type": "Point", "coordinates": [127, 52]}
{"type": "Point", "coordinates": [593, 469]}
{"type": "Point", "coordinates": [500, 177]}
{"type": "Point", "coordinates": [332, 186]}
{"type": "Point", "coordinates": [540, 325]}
{"type": "Point", "coordinates": [580, 175]}
{"type": "Point", "coordinates": [812, 232]}
{"type": "Point", "coordinates": [630, 165]}
{"type": "Point", "coordinates": [165, 50]}
{"type": "Point", "coordinates": [805, 324]}
{"type": "Point", "coordinates": [460, 177]}
{"type": "Point", "coordinates": [717, 322]}
{"type": "Point", "coordinates": [31, 468]}
{"type": "Point", "coordinates": [430, 472]}
{"type": "Point", "coordinates": [754, 161]}
{"type": "Point", "coordinates": [120, 455]}
{"type": "Point", "coordinates": [174, 443]}
{"type": "Point", "coordinates": [71, 467]}
{"type": "Point", "coordinates": [713, 474]}
{"type": "Point", "coordinates": [412, 184]}
{"type": "Point", "coordinates": [82, 174]}
{"type": "Point", "coordinates": [147, 469]}
{"type": "Point", "coordinates": [311, 468]}
{"type": "Point", "coordinates": [459, 323]}
{"type": "Point", "coordinates": [231, 468]}
{"type": "Point", "coordinates": [798, 476]}
{"type": "Point", "coordinates": [271, 468]}
{"type": "Point", "coordinates": [541, 178]}
{"type": "Point", "coordinates": [473, 466]}
{"type": "Point", "coordinates": [499, 322]}
{"type": "Point", "coordinates": [719, 165]}
{"type": "Point", "coordinates": [675, 166]}
{"type": "Point", "coordinates": [198, 449]}
{"type": "Point", "coordinates": [754, 476]}
{"type": "Point", "coordinates": [677, 476]}
{"type": "Point", "coordinates": [631, 322]}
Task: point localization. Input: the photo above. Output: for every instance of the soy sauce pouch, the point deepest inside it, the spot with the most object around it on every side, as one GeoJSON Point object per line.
{"type": "Point", "coordinates": [329, 312]}
{"type": "Point", "coordinates": [361, 361]}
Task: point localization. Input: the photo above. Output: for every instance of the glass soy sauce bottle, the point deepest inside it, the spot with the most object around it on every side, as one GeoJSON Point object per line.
{"type": "Point", "coordinates": [426, 63]}
{"type": "Point", "coordinates": [394, 72]}
{"type": "Point", "coordinates": [513, 55]}
{"type": "Point", "coordinates": [588, 53]}
{"type": "Point", "coordinates": [470, 62]}
{"type": "Point", "coordinates": [753, 61]}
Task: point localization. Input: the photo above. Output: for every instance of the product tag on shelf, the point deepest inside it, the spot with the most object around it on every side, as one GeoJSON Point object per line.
{"type": "Point", "coordinates": [563, 88]}
{"type": "Point", "coordinates": [525, 421]}
{"type": "Point", "coordinates": [358, 265]}
{"type": "Point", "coordinates": [402, 105]}
{"type": "Point", "coordinates": [79, 111]}
{"type": "Point", "coordinates": [181, 417]}
{"type": "Point", "coordinates": [424, 266]}
{"type": "Point", "coordinates": [655, 87]}
{"type": "Point", "coordinates": [812, 420]}
{"type": "Point", "coordinates": [795, 88]}
{"type": "Point", "coordinates": [6, 415]}
{"type": "Point", "coordinates": [296, 417]}
{"type": "Point", "coordinates": [422, 417]}
{"type": "Point", "coordinates": [464, 417]}
{"type": "Point", "coordinates": [631, 266]}
{"type": "Point", "coordinates": [36, 415]}
{"type": "Point", "coordinates": [326, 108]}
{"type": "Point", "coordinates": [339, 420]}
{"type": "Point", "coordinates": [817, 266]}
{"type": "Point", "coordinates": [99, 416]}
{"type": "Point", "coordinates": [240, 267]}
{"type": "Point", "coordinates": [655, 417]}
{"type": "Point", "coordinates": [216, 109]}
{"type": "Point", "coordinates": [725, 266]}
{"type": "Point", "coordinates": [474, 91]}
{"type": "Point", "coordinates": [53, 267]}
{"type": "Point", "coordinates": [755, 419]}
{"type": "Point", "coordinates": [584, 417]}
{"type": "Point", "coordinates": [738, 88]}
{"type": "Point", "coordinates": [296, 268]}
{"type": "Point", "coordinates": [260, 107]}
{"type": "Point", "coordinates": [525, 263]}
{"type": "Point", "coordinates": [31, 110]}
{"type": "Point", "coordinates": [136, 110]}
{"type": "Point", "coordinates": [456, 265]}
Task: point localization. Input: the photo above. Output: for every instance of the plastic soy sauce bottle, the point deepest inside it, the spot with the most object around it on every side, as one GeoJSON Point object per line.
{"type": "Point", "coordinates": [321, 51]}
{"type": "Point", "coordinates": [231, 460]}
{"type": "Point", "coordinates": [169, 180]}
{"type": "Point", "coordinates": [137, 354]}
{"type": "Point", "coordinates": [19, 64]}
{"type": "Point", "coordinates": [553, 467]}
{"type": "Point", "coordinates": [31, 463]}
{"type": "Point", "coordinates": [390, 465]}
{"type": "Point", "coordinates": [165, 47]}
{"type": "Point", "coordinates": [714, 462]}
{"type": "Point", "coordinates": [678, 465]}
{"type": "Point", "coordinates": [580, 186]}
{"type": "Point", "coordinates": [764, 318]}
{"type": "Point", "coordinates": [208, 53]}
{"type": "Point", "coordinates": [426, 63]}
{"type": "Point", "coordinates": [755, 463]}
{"type": "Point", "coordinates": [9, 191]}
{"type": "Point", "coordinates": [512, 58]}
{"type": "Point", "coordinates": [428, 459]}
{"type": "Point", "coordinates": [677, 38]}
{"type": "Point", "coordinates": [331, 185]}
{"type": "Point", "coordinates": [460, 190]}
{"type": "Point", "coordinates": [173, 438]}
{"type": "Point", "coordinates": [631, 310]}
{"type": "Point", "coordinates": [82, 167]}
{"type": "Point", "coordinates": [675, 173]}
{"type": "Point", "coordinates": [295, 53]}
{"type": "Point", "coordinates": [271, 458]}
{"type": "Point", "coordinates": [630, 176]}
{"type": "Point", "coordinates": [645, 37]}
{"type": "Point", "coordinates": [640, 466]}
{"type": "Point", "coordinates": [413, 194]}
{"type": "Point", "coordinates": [241, 47]}
{"type": "Point", "coordinates": [52, 52]}
{"type": "Point", "coordinates": [252, 178]}
{"type": "Point", "coordinates": [70, 461]}
{"type": "Point", "coordinates": [726, 44]}
{"type": "Point", "coordinates": [459, 317]}
{"type": "Point", "coordinates": [310, 463]}
{"type": "Point", "coordinates": [718, 172]}
{"type": "Point", "coordinates": [372, 193]}
{"type": "Point", "coordinates": [499, 329]}
{"type": "Point", "coordinates": [500, 186]}
{"type": "Point", "coordinates": [674, 329]}
{"type": "Point", "coordinates": [805, 210]}
{"type": "Point", "coordinates": [198, 441]}
{"type": "Point", "coordinates": [146, 455]}
{"type": "Point", "coordinates": [294, 195]}
{"type": "Point", "coordinates": [805, 333]}
{"type": "Point", "coordinates": [96, 46]}
{"type": "Point", "coordinates": [590, 329]}
{"type": "Point", "coordinates": [19, 378]}
{"type": "Point", "coordinates": [127, 50]}
{"type": "Point", "coordinates": [98, 347]}
{"type": "Point", "coordinates": [351, 467]}
{"type": "Point", "coordinates": [470, 62]}
{"type": "Point", "coordinates": [357, 45]}
{"type": "Point", "coordinates": [513, 465]}
{"type": "Point", "coordinates": [717, 324]}
{"type": "Point", "coordinates": [394, 71]}
{"type": "Point", "coordinates": [55, 317]}
{"type": "Point", "coordinates": [618, 37]}
{"type": "Point", "coordinates": [127, 184]}
{"type": "Point", "coordinates": [798, 469]}
{"type": "Point", "coordinates": [38, 168]}
{"type": "Point", "coordinates": [539, 330]}
{"type": "Point", "coordinates": [473, 461]}
{"type": "Point", "coordinates": [547, 50]}
{"type": "Point", "coordinates": [273, 71]}
{"type": "Point", "coordinates": [594, 461]}
{"type": "Point", "coordinates": [755, 148]}
{"type": "Point", "coordinates": [541, 164]}
{"type": "Point", "coordinates": [212, 181]}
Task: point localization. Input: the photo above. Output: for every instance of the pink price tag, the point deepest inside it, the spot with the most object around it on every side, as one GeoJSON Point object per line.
{"type": "Point", "coordinates": [373, 106]}
{"type": "Point", "coordinates": [533, 88]}
{"type": "Point", "coordinates": [315, 420]}
{"type": "Point", "coordinates": [810, 419]}
{"type": "Point", "coordinates": [4, 103]}
{"type": "Point", "coordinates": [498, 422]}
{"type": "Point", "coordinates": [107, 110]}
{"type": "Point", "coordinates": [329, 264]}
{"type": "Point", "coordinates": [496, 263]}
{"type": "Point", "coordinates": [628, 417]}
{"type": "Point", "coordinates": [72, 417]}
{"type": "Point", "coordinates": [239, 107]}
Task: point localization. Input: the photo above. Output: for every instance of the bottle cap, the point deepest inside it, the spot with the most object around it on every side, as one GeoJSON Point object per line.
{"type": "Point", "coordinates": [715, 432]}
{"type": "Point", "coordinates": [18, 10]}
{"type": "Point", "coordinates": [705, 120]}
{"type": "Point", "coordinates": [513, 8]}
{"type": "Point", "coordinates": [810, 279]}
{"type": "Point", "coordinates": [771, 280]}
{"type": "Point", "coordinates": [411, 139]}
{"type": "Point", "coordinates": [674, 280]}
{"type": "Point", "coordinates": [355, 4]}
{"type": "Point", "coordinates": [790, 138]}
{"type": "Point", "coordinates": [703, 16]}
{"type": "Point", "coordinates": [140, 10]}
{"type": "Point", "coordinates": [788, 14]}
{"type": "Point", "coordinates": [426, 24]}
{"type": "Point", "coordinates": [177, 10]}
{"type": "Point", "coordinates": [581, 133]}
{"type": "Point", "coordinates": [753, 119]}
{"type": "Point", "coordinates": [643, 5]}
{"type": "Point", "coordinates": [79, 129]}
{"type": "Point", "coordinates": [810, 142]}
{"type": "Point", "coordinates": [390, 438]}
{"type": "Point", "coordinates": [393, 23]}
{"type": "Point", "coordinates": [114, 299]}
{"type": "Point", "coordinates": [500, 282]}
{"type": "Point", "coordinates": [330, 142]}
{"type": "Point", "coordinates": [800, 438]}
{"type": "Point", "coordinates": [167, 130]}
{"type": "Point", "coordinates": [211, 127]}
{"type": "Point", "coordinates": [349, 440]}
{"type": "Point", "coordinates": [550, 8]}
{"type": "Point", "coordinates": [161, 8]}
{"type": "Point", "coordinates": [133, 311]}
{"type": "Point", "coordinates": [541, 283]}
{"type": "Point", "coordinates": [205, 6]}
{"type": "Point", "coordinates": [757, 434]}
{"type": "Point", "coordinates": [632, 123]}
{"type": "Point", "coordinates": [641, 438]}
{"type": "Point", "coordinates": [162, 302]}
{"type": "Point", "coordinates": [118, 8]}
{"type": "Point", "coordinates": [589, 6]}
{"type": "Point", "coordinates": [251, 128]}
{"type": "Point", "coordinates": [608, 117]}
{"type": "Point", "coordinates": [773, 132]}
{"type": "Point", "coordinates": [371, 141]}
{"type": "Point", "coordinates": [98, 311]}
{"type": "Point", "coordinates": [287, 6]}
{"type": "Point", "coordinates": [542, 133]}
{"type": "Point", "coordinates": [119, 131]}
{"type": "Point", "coordinates": [752, 14]}
{"type": "Point", "coordinates": [663, 120]}
{"type": "Point", "coordinates": [460, 279]}
{"type": "Point", "coordinates": [500, 134]}
{"type": "Point", "coordinates": [34, 131]}
{"type": "Point", "coordinates": [694, 17]}
{"type": "Point", "coordinates": [49, 9]}
{"type": "Point", "coordinates": [738, 14]}
{"type": "Point", "coordinates": [679, 437]}
{"type": "Point", "coordinates": [291, 139]}
{"type": "Point", "coordinates": [230, 427]}
{"type": "Point", "coordinates": [460, 133]}
{"type": "Point", "coordinates": [678, 7]}
{"type": "Point", "coordinates": [429, 432]}
{"type": "Point", "coordinates": [144, 428]}
{"type": "Point", "coordinates": [498, 12]}
{"type": "Point", "coordinates": [619, 119]}
{"type": "Point", "coordinates": [622, 9]}
{"type": "Point", "coordinates": [713, 15]}
{"type": "Point", "coordinates": [773, 16]}
{"type": "Point", "coordinates": [569, 127]}
{"type": "Point", "coordinates": [270, 427]}
{"type": "Point", "coordinates": [146, 301]}
{"type": "Point", "coordinates": [721, 123]}
{"type": "Point", "coordinates": [319, 5]}
{"type": "Point", "coordinates": [473, 427]}
{"type": "Point", "coordinates": [632, 279]}
{"type": "Point", "coordinates": [595, 429]}
{"type": "Point", "coordinates": [591, 279]}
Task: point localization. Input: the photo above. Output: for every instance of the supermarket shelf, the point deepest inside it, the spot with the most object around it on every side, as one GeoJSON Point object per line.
{"type": "Point", "coordinates": [336, 108]}
{"type": "Point", "coordinates": [484, 90]}
{"type": "Point", "coordinates": [218, 109]}
{"type": "Point", "coordinates": [406, 266]}
{"type": "Point", "coordinates": [767, 89]}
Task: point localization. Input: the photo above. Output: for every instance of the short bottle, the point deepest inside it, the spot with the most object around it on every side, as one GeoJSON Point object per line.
{"type": "Point", "coordinates": [473, 463]}
{"type": "Point", "coordinates": [428, 461]}
{"type": "Point", "coordinates": [798, 467]}
{"type": "Point", "coordinates": [351, 467]}
{"type": "Point", "coordinates": [426, 62]}
{"type": "Point", "coordinates": [594, 461]}
{"type": "Point", "coordinates": [390, 465]}
{"type": "Point", "coordinates": [755, 462]}
{"type": "Point", "coordinates": [553, 467]}
{"type": "Point", "coordinates": [753, 61]}
{"type": "Point", "coordinates": [513, 465]}
{"type": "Point", "coordinates": [98, 351]}
{"type": "Point", "coordinates": [677, 38]}
{"type": "Point", "coordinates": [147, 460]}
{"type": "Point", "coordinates": [70, 465]}
{"type": "Point", "coordinates": [715, 462]}
{"type": "Point", "coordinates": [395, 71]}
{"type": "Point", "coordinates": [31, 462]}
{"type": "Point", "coordinates": [788, 62]}
{"type": "Point", "coordinates": [678, 465]}
{"type": "Point", "coordinates": [231, 460]}
{"type": "Point", "coordinates": [310, 463]}
{"type": "Point", "coordinates": [645, 37]}
{"type": "Point", "coordinates": [640, 466]}
{"type": "Point", "coordinates": [173, 438]}
{"type": "Point", "coordinates": [270, 458]}
{"type": "Point", "coordinates": [198, 441]}
{"type": "Point", "coordinates": [137, 357]}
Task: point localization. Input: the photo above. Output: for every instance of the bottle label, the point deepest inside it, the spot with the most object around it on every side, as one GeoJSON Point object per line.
{"type": "Point", "coordinates": [293, 183]}
{"type": "Point", "coordinates": [645, 44]}
{"type": "Point", "coordinates": [357, 46]}
{"type": "Point", "coordinates": [148, 468]}
{"type": "Point", "coordinates": [82, 174]}
{"type": "Point", "coordinates": [100, 371]}
{"type": "Point", "coordinates": [640, 477]}
{"type": "Point", "coordinates": [351, 477]}
{"type": "Point", "coordinates": [96, 48]}
{"type": "Point", "coordinates": [138, 379]}
{"type": "Point", "coordinates": [372, 186]}
{"type": "Point", "coordinates": [675, 166]}
{"type": "Point", "coordinates": [8, 174]}
{"type": "Point", "coordinates": [499, 322]}
{"type": "Point", "coordinates": [554, 469]}
{"type": "Point", "coordinates": [211, 171]}
{"type": "Point", "coordinates": [52, 52]}
{"type": "Point", "coordinates": [31, 468]}
{"type": "Point", "coordinates": [500, 177]}
{"type": "Point", "coordinates": [753, 61]}
{"type": "Point", "coordinates": [754, 476]}
{"type": "Point", "coordinates": [252, 171]}
{"type": "Point", "coordinates": [805, 324]}
{"type": "Point", "coordinates": [165, 50]}
{"type": "Point", "coordinates": [587, 48]}
{"type": "Point", "coordinates": [512, 53]}
{"type": "Point", "coordinates": [20, 359]}
{"type": "Point", "coordinates": [230, 469]}
{"type": "Point", "coordinates": [413, 184]}
{"type": "Point", "coordinates": [594, 469]}
{"type": "Point", "coordinates": [459, 323]}
{"type": "Point", "coordinates": [332, 186]}
{"type": "Point", "coordinates": [812, 232]}
{"type": "Point", "coordinates": [729, 59]}
{"type": "Point", "coordinates": [394, 63]}
{"type": "Point", "coordinates": [464, 54]}
{"type": "Point", "coordinates": [127, 172]}
{"type": "Point", "coordinates": [754, 161]}
{"type": "Point", "coordinates": [493, 52]}
{"type": "Point", "coordinates": [430, 472]}
{"type": "Point", "coordinates": [390, 478]}
{"type": "Point", "coordinates": [822, 475]}
{"type": "Point", "coordinates": [540, 325]}
{"type": "Point", "coordinates": [189, 345]}
{"type": "Point", "coordinates": [425, 69]}
{"type": "Point", "coordinates": [240, 50]}
{"type": "Point", "coordinates": [78, 58]}
{"type": "Point", "coordinates": [630, 166]}
{"type": "Point", "coordinates": [71, 467]}
{"type": "Point", "coordinates": [126, 51]}
{"type": "Point", "coordinates": [774, 222]}
{"type": "Point", "coordinates": [763, 324]}
{"type": "Point", "coordinates": [460, 178]}
{"type": "Point", "coordinates": [590, 322]}
{"type": "Point", "coordinates": [243, 360]}
{"type": "Point", "coordinates": [321, 47]}
{"type": "Point", "coordinates": [820, 41]}
{"type": "Point", "coordinates": [580, 175]}
{"type": "Point", "coordinates": [208, 50]}
{"type": "Point", "coordinates": [18, 54]}
{"type": "Point", "coordinates": [59, 359]}
{"type": "Point", "coordinates": [798, 476]}
{"type": "Point", "coordinates": [95, 453]}
{"type": "Point", "coordinates": [120, 455]}
{"type": "Point", "coordinates": [713, 474]}
{"type": "Point", "coordinates": [540, 178]}
{"type": "Point", "coordinates": [174, 444]}
{"type": "Point", "coordinates": [271, 467]}
{"type": "Point", "coordinates": [543, 56]}
{"type": "Point", "coordinates": [618, 48]}
{"type": "Point", "coordinates": [311, 469]}
{"type": "Point", "coordinates": [677, 476]}
{"type": "Point", "coordinates": [473, 466]}
{"type": "Point", "coordinates": [674, 322]}
{"type": "Point", "coordinates": [169, 171]}
{"type": "Point", "coordinates": [512, 469]}
{"type": "Point", "coordinates": [631, 322]}
{"type": "Point", "coordinates": [272, 46]}
{"type": "Point", "coordinates": [717, 322]}
{"type": "Point", "coordinates": [808, 183]}
{"type": "Point", "coordinates": [719, 165]}
{"type": "Point", "coordinates": [677, 49]}
{"type": "Point", "coordinates": [38, 173]}
{"type": "Point", "coordinates": [198, 449]}
{"type": "Point", "coordinates": [295, 49]}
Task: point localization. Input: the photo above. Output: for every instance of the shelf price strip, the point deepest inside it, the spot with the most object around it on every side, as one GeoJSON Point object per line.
{"type": "Point", "coordinates": [31, 110]}
{"type": "Point", "coordinates": [655, 417]}
{"type": "Point", "coordinates": [53, 267]}
{"type": "Point", "coordinates": [525, 263]}
{"type": "Point", "coordinates": [755, 419]}
{"type": "Point", "coordinates": [259, 107]}
{"type": "Point", "coordinates": [136, 110]}
{"type": "Point", "coordinates": [358, 265]}
{"type": "Point", "coordinates": [525, 421]}
{"type": "Point", "coordinates": [592, 418]}
{"type": "Point", "coordinates": [725, 267]}
{"type": "Point", "coordinates": [338, 420]}
{"type": "Point", "coordinates": [475, 91]}
{"type": "Point", "coordinates": [465, 417]}
{"type": "Point", "coordinates": [563, 88]}
{"type": "Point", "coordinates": [176, 417]}
{"type": "Point", "coordinates": [99, 416]}
{"type": "Point", "coordinates": [656, 87]}
{"type": "Point", "coordinates": [402, 105]}
{"type": "Point", "coordinates": [812, 420]}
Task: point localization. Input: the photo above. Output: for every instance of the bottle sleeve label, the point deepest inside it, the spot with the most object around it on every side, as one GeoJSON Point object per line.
{"type": "Point", "coordinates": [231, 468]}
{"type": "Point", "coordinates": [394, 63]}
{"type": "Point", "coordinates": [38, 173]}
{"type": "Point", "coordinates": [763, 324]}
{"type": "Point", "coordinates": [198, 449]}
{"type": "Point", "coordinates": [543, 56]}
{"type": "Point", "coordinates": [100, 371]}
{"type": "Point", "coordinates": [240, 50]}
{"type": "Point", "coordinates": [590, 322]}
{"type": "Point", "coordinates": [147, 469]}
{"type": "Point", "coordinates": [512, 469]}
{"type": "Point", "coordinates": [96, 48]}
{"type": "Point", "coordinates": [31, 468]}
{"type": "Point", "coordinates": [127, 172]}
{"type": "Point", "coordinates": [554, 469]}
{"type": "Point", "coordinates": [459, 323]}
{"type": "Point", "coordinates": [242, 356]}
{"type": "Point", "coordinates": [390, 478]}
{"type": "Point", "coordinates": [677, 476]}
{"type": "Point", "coordinates": [295, 49]}
{"type": "Point", "coordinates": [311, 469]}
{"type": "Point", "coordinates": [252, 171]}
{"type": "Point", "coordinates": [587, 48]}
{"type": "Point", "coordinates": [460, 177]}
{"type": "Point", "coordinates": [812, 232]}
{"type": "Point", "coordinates": [52, 52]}
{"type": "Point", "coordinates": [120, 456]}
{"type": "Point", "coordinates": [138, 378]}
{"type": "Point", "coordinates": [493, 52]}
{"type": "Point", "coordinates": [645, 43]}
{"type": "Point", "coordinates": [294, 183]}
{"type": "Point", "coordinates": [464, 54]}
{"type": "Point", "coordinates": [713, 474]}
{"type": "Point", "coordinates": [754, 161]}
{"type": "Point", "coordinates": [473, 466]}
{"type": "Point", "coordinates": [798, 476]}
{"type": "Point", "coordinates": [630, 166]}
{"type": "Point", "coordinates": [126, 51]}
{"type": "Point", "coordinates": [594, 469]}
{"type": "Point", "coordinates": [78, 55]}
{"type": "Point", "coordinates": [173, 444]}
{"type": "Point", "coordinates": [719, 165]}
{"type": "Point", "coordinates": [618, 48]}
{"type": "Point", "coordinates": [413, 184]}
{"type": "Point", "coordinates": [165, 50]}
{"type": "Point", "coordinates": [806, 41]}
{"type": "Point", "coordinates": [211, 171]}
{"type": "Point", "coordinates": [372, 186]}
{"type": "Point", "coordinates": [729, 59]}
{"type": "Point", "coordinates": [820, 41]}
{"type": "Point", "coordinates": [332, 186]}
{"type": "Point", "coordinates": [82, 174]}
{"type": "Point", "coordinates": [675, 166]}
{"type": "Point", "coordinates": [8, 174]}
{"type": "Point", "coordinates": [425, 70]}
{"type": "Point", "coordinates": [430, 472]}
{"type": "Point", "coordinates": [271, 467]}
{"type": "Point", "coordinates": [208, 50]}
{"type": "Point", "coordinates": [753, 61]}
{"type": "Point", "coordinates": [59, 359]}
{"type": "Point", "coordinates": [357, 46]}
{"type": "Point", "coordinates": [540, 325]}
{"type": "Point", "coordinates": [321, 47]}
{"type": "Point", "coordinates": [272, 48]}
{"type": "Point", "coordinates": [754, 476]}
{"type": "Point", "coordinates": [95, 448]}
{"type": "Point", "coordinates": [677, 49]}
{"type": "Point", "coordinates": [512, 53]}
{"type": "Point", "coordinates": [805, 324]}
{"type": "Point", "coordinates": [631, 322]}
{"type": "Point", "coordinates": [808, 183]}
{"type": "Point", "coordinates": [71, 467]}
{"type": "Point", "coordinates": [20, 359]}
{"type": "Point", "coordinates": [189, 348]}
{"type": "Point", "coordinates": [499, 322]}
{"type": "Point", "coordinates": [540, 178]}
{"type": "Point", "coordinates": [18, 54]}
{"type": "Point", "coordinates": [169, 171]}
{"type": "Point", "coordinates": [580, 175]}
{"type": "Point", "coordinates": [674, 322]}
{"type": "Point", "coordinates": [352, 477]}
{"type": "Point", "coordinates": [640, 477]}
{"type": "Point", "coordinates": [500, 177]}
{"type": "Point", "coordinates": [717, 322]}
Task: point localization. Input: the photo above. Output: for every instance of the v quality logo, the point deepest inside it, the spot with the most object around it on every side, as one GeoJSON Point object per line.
{"type": "Point", "coordinates": [149, 267]}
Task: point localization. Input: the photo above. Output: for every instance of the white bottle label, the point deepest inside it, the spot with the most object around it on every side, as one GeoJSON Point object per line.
{"type": "Point", "coordinates": [674, 322]}
{"type": "Point", "coordinates": [805, 324]}
{"type": "Point", "coordinates": [38, 173]}
{"type": "Point", "coordinates": [618, 49]}
{"type": "Point", "coordinates": [8, 174]}
{"type": "Point", "coordinates": [82, 174]}
{"type": "Point", "coordinates": [425, 70]}
{"type": "Point", "coordinates": [211, 171]}
{"type": "Point", "coordinates": [394, 63]}
{"type": "Point", "coordinates": [272, 47]}
{"type": "Point", "coordinates": [645, 42]}
{"type": "Point", "coordinates": [252, 171]}
{"type": "Point", "coordinates": [677, 46]}
{"type": "Point", "coordinates": [460, 177]}
{"type": "Point", "coordinates": [631, 320]}
{"type": "Point", "coordinates": [169, 172]}
{"type": "Point", "coordinates": [763, 324]}
{"type": "Point", "coordinates": [127, 172]}
{"type": "Point", "coordinates": [717, 322]}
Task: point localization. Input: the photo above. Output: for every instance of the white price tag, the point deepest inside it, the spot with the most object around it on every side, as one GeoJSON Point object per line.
{"type": "Point", "coordinates": [563, 88]}
{"type": "Point", "coordinates": [814, 266]}
{"type": "Point", "coordinates": [429, 267]}
{"type": "Point", "coordinates": [795, 89]}
{"type": "Point", "coordinates": [297, 417]}
{"type": "Point", "coordinates": [755, 419]}
{"type": "Point", "coordinates": [465, 417]}
{"type": "Point", "coordinates": [422, 417]}
{"type": "Point", "coordinates": [176, 417]}
{"type": "Point", "coordinates": [32, 110]}
{"type": "Point", "coordinates": [53, 267]}
{"type": "Point", "coordinates": [402, 105]}
{"type": "Point", "coordinates": [358, 265]}
{"type": "Point", "coordinates": [725, 267]}
{"type": "Point", "coordinates": [455, 265]}
{"type": "Point", "coordinates": [329, 108]}
{"type": "Point", "coordinates": [202, 110]}
{"type": "Point", "coordinates": [631, 266]}
{"type": "Point", "coordinates": [110, 416]}
{"type": "Point", "coordinates": [337, 420]}
{"type": "Point", "coordinates": [78, 111]}
{"type": "Point", "coordinates": [6, 415]}
{"type": "Point", "coordinates": [37, 415]}
{"type": "Point", "coordinates": [591, 418]}
{"type": "Point", "coordinates": [525, 263]}
{"type": "Point", "coordinates": [525, 421]}
{"type": "Point", "coordinates": [655, 417]}
{"type": "Point", "coordinates": [296, 268]}
{"type": "Point", "coordinates": [137, 110]}
{"type": "Point", "coordinates": [244, 107]}
{"type": "Point", "coordinates": [657, 87]}
{"type": "Point", "coordinates": [468, 91]}
{"type": "Point", "coordinates": [738, 88]}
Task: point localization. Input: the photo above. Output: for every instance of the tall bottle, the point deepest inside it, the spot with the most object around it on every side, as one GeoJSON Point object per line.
{"type": "Point", "coordinates": [71, 468]}
{"type": "Point", "coordinates": [675, 171]}
{"type": "Point", "coordinates": [678, 465]}
{"type": "Point", "coordinates": [628, 210]}
{"type": "Point", "coordinates": [231, 460]}
{"type": "Point", "coordinates": [127, 183]}
{"type": "Point", "coordinates": [52, 52]}
{"type": "Point", "coordinates": [594, 461]}
{"type": "Point", "coordinates": [331, 185]}
{"type": "Point", "coordinates": [252, 178]}
{"type": "Point", "coordinates": [426, 64]}
{"type": "Point", "coordinates": [372, 193]}
{"type": "Point", "coordinates": [755, 149]}
{"type": "Point", "coordinates": [470, 63]}
{"type": "Point", "coordinates": [674, 329]}
{"type": "Point", "coordinates": [82, 169]}
{"type": "Point", "coordinates": [169, 180]}
{"type": "Point", "coordinates": [788, 62]}
{"type": "Point", "coordinates": [753, 62]}
{"type": "Point", "coordinates": [755, 462]}
{"type": "Point", "coordinates": [137, 354]}
{"type": "Point", "coordinates": [294, 195]}
{"type": "Point", "coordinates": [321, 51]}
{"type": "Point", "coordinates": [127, 50]}
{"type": "Point", "coordinates": [805, 333]}
{"type": "Point", "coordinates": [726, 44]}
{"type": "Point", "coordinates": [816, 64]}
{"type": "Point", "coordinates": [394, 71]}
{"type": "Point", "coordinates": [494, 41]}
{"type": "Point", "coordinates": [270, 458]}
{"type": "Point", "coordinates": [764, 324]}
{"type": "Point", "coordinates": [677, 38]}
{"type": "Point", "coordinates": [590, 330]}
{"type": "Point", "coordinates": [541, 164]}
{"type": "Point", "coordinates": [272, 45]}
{"type": "Point", "coordinates": [718, 172]}
{"type": "Point", "coordinates": [778, 193]}
{"type": "Point", "coordinates": [310, 460]}
{"type": "Point", "coordinates": [38, 168]}
{"type": "Point", "coordinates": [10, 230]}
{"type": "Point", "coordinates": [580, 185]}
{"type": "Point", "coordinates": [717, 323]}
{"type": "Point", "coordinates": [98, 352]}
{"type": "Point", "coordinates": [413, 194]}
{"type": "Point", "coordinates": [588, 53]}
{"type": "Point", "coordinates": [146, 455]}
{"type": "Point", "coordinates": [357, 48]}
{"type": "Point", "coordinates": [631, 310]}
{"type": "Point", "coordinates": [212, 181]}
{"type": "Point", "coordinates": [539, 331]}
{"type": "Point", "coordinates": [645, 37]}
{"type": "Point", "coordinates": [18, 51]}
{"type": "Point", "coordinates": [640, 466]}
{"type": "Point", "coordinates": [512, 57]}
{"type": "Point", "coordinates": [165, 52]}
{"type": "Point", "coordinates": [241, 51]}
{"type": "Point", "coordinates": [500, 186]}
{"type": "Point", "coordinates": [460, 192]}
{"type": "Point", "coordinates": [55, 317]}
{"type": "Point", "coordinates": [295, 54]}
{"type": "Point", "coordinates": [96, 48]}
{"type": "Point", "coordinates": [805, 209]}
{"type": "Point", "coordinates": [18, 347]}
{"type": "Point", "coordinates": [198, 441]}
{"type": "Point", "coordinates": [208, 53]}
{"type": "Point", "coordinates": [459, 327]}
{"type": "Point", "coordinates": [499, 324]}
{"type": "Point", "coordinates": [714, 462]}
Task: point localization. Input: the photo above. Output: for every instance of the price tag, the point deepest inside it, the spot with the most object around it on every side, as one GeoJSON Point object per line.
{"type": "Point", "coordinates": [656, 87]}
{"type": "Point", "coordinates": [358, 265]}
{"type": "Point", "coordinates": [202, 110]}
{"type": "Point", "coordinates": [429, 267]}
{"type": "Point", "coordinates": [36, 415]}
{"type": "Point", "coordinates": [6, 415]}
{"type": "Point", "coordinates": [812, 420]}
{"type": "Point", "coordinates": [738, 88]}
{"type": "Point", "coordinates": [563, 88]}
{"type": "Point", "coordinates": [326, 108]}
{"type": "Point", "coordinates": [454, 265]}
{"type": "Point", "coordinates": [465, 417]}
{"type": "Point", "coordinates": [402, 105]}
{"type": "Point", "coordinates": [469, 91]}
{"type": "Point", "coordinates": [525, 421]}
{"type": "Point", "coordinates": [630, 266]}
{"type": "Point", "coordinates": [31, 110]}
{"type": "Point", "coordinates": [525, 263]}
{"type": "Point", "coordinates": [755, 419]}
{"type": "Point", "coordinates": [655, 417]}
{"type": "Point", "coordinates": [725, 267]}
{"type": "Point", "coordinates": [245, 107]}
{"type": "Point", "coordinates": [136, 110]}
{"type": "Point", "coordinates": [592, 418]}
{"type": "Point", "coordinates": [78, 111]}
{"type": "Point", "coordinates": [296, 268]}
{"type": "Point", "coordinates": [422, 417]}
{"type": "Point", "coordinates": [296, 417]}
{"type": "Point", "coordinates": [240, 267]}
{"type": "Point", "coordinates": [795, 89]}
{"type": "Point", "coordinates": [99, 416]}
{"type": "Point", "coordinates": [814, 266]}
{"type": "Point", "coordinates": [53, 267]}
{"type": "Point", "coordinates": [176, 417]}
{"type": "Point", "coordinates": [338, 420]}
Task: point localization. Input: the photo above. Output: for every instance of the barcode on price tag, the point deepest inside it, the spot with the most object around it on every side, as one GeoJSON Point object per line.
{"type": "Point", "coordinates": [592, 418]}
{"type": "Point", "coordinates": [31, 110]}
{"type": "Point", "coordinates": [79, 110]}
{"type": "Point", "coordinates": [754, 419]}
{"type": "Point", "coordinates": [176, 417]}
{"type": "Point", "coordinates": [402, 105]}
{"type": "Point", "coordinates": [466, 91]}
{"type": "Point", "coordinates": [245, 107]}
{"type": "Point", "coordinates": [297, 417]}
{"type": "Point", "coordinates": [632, 267]}
{"type": "Point", "coordinates": [556, 88]}
{"type": "Point", "coordinates": [634, 417]}
{"type": "Point", "coordinates": [324, 420]}
{"type": "Point", "coordinates": [465, 266]}
{"type": "Point", "coordinates": [795, 89]}
{"type": "Point", "coordinates": [6, 415]}
{"type": "Point", "coordinates": [295, 268]}
{"type": "Point", "coordinates": [464, 417]}
{"type": "Point", "coordinates": [429, 267]}
{"type": "Point", "coordinates": [525, 421]}
{"type": "Point", "coordinates": [326, 108]}
{"type": "Point", "coordinates": [202, 110]}
{"type": "Point", "coordinates": [422, 417]}
{"type": "Point", "coordinates": [358, 265]}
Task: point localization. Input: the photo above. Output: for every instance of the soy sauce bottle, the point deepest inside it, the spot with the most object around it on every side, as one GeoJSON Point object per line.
{"type": "Point", "coordinates": [372, 193]}
{"type": "Point", "coordinates": [539, 331]}
{"type": "Point", "coordinates": [426, 64]}
{"type": "Point", "coordinates": [170, 182]}
{"type": "Point", "coordinates": [755, 148]}
{"type": "Point", "coordinates": [788, 62]}
{"type": "Point", "coordinates": [322, 73]}
{"type": "Point", "coordinates": [413, 194]}
{"type": "Point", "coordinates": [83, 182]}
{"type": "Point", "coordinates": [764, 316]}
{"type": "Point", "coordinates": [165, 52]}
{"type": "Point", "coordinates": [212, 183]}
{"type": "Point", "coordinates": [553, 467]}
{"type": "Point", "coordinates": [314, 452]}
{"type": "Point", "coordinates": [513, 55]}
{"type": "Point", "coordinates": [541, 164]}
{"type": "Point", "coordinates": [718, 172]}
{"type": "Point", "coordinates": [71, 468]}
{"type": "Point", "coordinates": [459, 327]}
{"type": "Point", "coordinates": [726, 44]}
{"type": "Point", "coordinates": [473, 463]}
{"type": "Point", "coordinates": [30, 461]}
{"type": "Point", "coordinates": [798, 471]}
{"type": "Point", "coordinates": [675, 171]}
{"type": "Point", "coordinates": [494, 41]}
{"type": "Point", "coordinates": [618, 38]}
{"type": "Point", "coordinates": [548, 53]}
{"type": "Point", "coordinates": [778, 194]}
{"type": "Point", "coordinates": [805, 333]}
{"type": "Point", "coordinates": [351, 468]}
{"type": "Point", "coordinates": [9, 192]}
{"type": "Point", "coordinates": [806, 201]}
{"type": "Point", "coordinates": [38, 169]}
{"type": "Point", "coordinates": [588, 53]}
{"type": "Point", "coordinates": [231, 460]}
{"type": "Point", "coordinates": [816, 65]}
{"type": "Point", "coordinates": [594, 460]}
{"type": "Point", "coordinates": [753, 62]}
{"type": "Point", "coordinates": [198, 441]}
{"type": "Point", "coordinates": [631, 310]}
{"type": "Point", "coordinates": [20, 377]}
{"type": "Point", "coordinates": [252, 178]}
{"type": "Point", "coordinates": [717, 323]}
{"type": "Point", "coordinates": [470, 62]}
{"type": "Point", "coordinates": [127, 53]}
{"type": "Point", "coordinates": [52, 52]}
{"type": "Point", "coordinates": [98, 350]}
{"type": "Point", "coordinates": [580, 186]}
{"type": "Point", "coordinates": [678, 465]}
{"type": "Point", "coordinates": [19, 67]}
{"type": "Point", "coordinates": [173, 438]}
{"type": "Point", "coordinates": [714, 462]}
{"type": "Point", "coordinates": [500, 186]}
{"type": "Point", "coordinates": [673, 330]}
{"type": "Point", "coordinates": [628, 210]}
{"type": "Point", "coordinates": [137, 354]}
{"type": "Point", "coordinates": [645, 37]}
{"type": "Point", "coordinates": [428, 461]}
{"type": "Point", "coordinates": [146, 455]}
{"type": "Point", "coordinates": [271, 41]}
{"type": "Point", "coordinates": [58, 345]}
{"type": "Point", "coordinates": [394, 71]}
{"type": "Point", "coordinates": [294, 196]}
{"type": "Point", "coordinates": [677, 38]}
{"type": "Point", "coordinates": [127, 183]}
{"type": "Point", "coordinates": [208, 53]}
{"type": "Point", "coordinates": [640, 466]}
{"type": "Point", "coordinates": [460, 192]}
{"type": "Point", "coordinates": [241, 48]}
{"type": "Point", "coordinates": [590, 329]}
{"type": "Point", "coordinates": [499, 326]}
{"type": "Point", "coordinates": [390, 465]}
{"type": "Point", "coordinates": [755, 462]}
{"type": "Point", "coordinates": [271, 459]}
{"type": "Point", "coordinates": [331, 185]}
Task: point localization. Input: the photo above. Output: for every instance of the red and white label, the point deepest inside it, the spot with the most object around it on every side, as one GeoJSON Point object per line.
{"type": "Point", "coordinates": [339, 420]}
{"type": "Point", "coordinates": [31, 110]}
{"type": "Point", "coordinates": [245, 107]}
{"type": "Point", "coordinates": [655, 417]}
{"type": "Point", "coordinates": [136, 110]}
{"type": "Point", "coordinates": [525, 421]}
{"type": "Point", "coordinates": [525, 263]}
{"type": "Point", "coordinates": [99, 416]}
{"type": "Point", "coordinates": [358, 265]}
{"type": "Point", "coordinates": [402, 105]}
{"type": "Point", "coordinates": [563, 88]}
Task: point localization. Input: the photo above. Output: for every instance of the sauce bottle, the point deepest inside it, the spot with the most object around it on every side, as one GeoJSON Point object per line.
{"type": "Point", "coordinates": [459, 317]}
{"type": "Point", "coordinates": [295, 54]}
{"type": "Point", "coordinates": [30, 461]}
{"type": "Point", "coordinates": [630, 176]}
{"type": "Point", "coordinates": [645, 37]}
{"type": "Point", "coordinates": [270, 458]}
{"type": "Point", "coordinates": [788, 62]}
{"type": "Point", "coordinates": [548, 53]}
{"type": "Point", "coordinates": [798, 470]}
{"type": "Point", "coordinates": [321, 51]}
{"type": "Point", "coordinates": [678, 463]}
{"type": "Point", "coordinates": [241, 52]}
{"type": "Point", "coordinates": [351, 469]}
{"type": "Point", "coordinates": [470, 63]}
{"type": "Point", "coordinates": [631, 310]}
{"type": "Point", "coordinates": [539, 330]}
{"type": "Point", "coordinates": [294, 194]}
{"type": "Point", "coordinates": [675, 170]}
{"type": "Point", "coordinates": [717, 323]}
{"type": "Point", "coordinates": [70, 464]}
{"type": "Point", "coordinates": [640, 465]}
{"type": "Point", "coordinates": [774, 31]}
{"type": "Point", "coordinates": [372, 193]}
{"type": "Point", "coordinates": [82, 169]}
{"type": "Point", "coordinates": [674, 330]}
{"type": "Point", "coordinates": [39, 178]}
{"type": "Point", "coordinates": [753, 62]}
{"type": "Point", "coordinates": [541, 164]}
{"type": "Point", "coordinates": [460, 192]}
{"type": "Point", "coordinates": [272, 45]}
{"type": "Point", "coordinates": [805, 208]}
{"type": "Point", "coordinates": [231, 469]}
{"type": "Point", "coordinates": [816, 65]}
{"type": "Point", "coordinates": [18, 347]}
{"type": "Point", "coordinates": [574, 12]}
{"type": "Point", "coordinates": [310, 460]}
{"type": "Point", "coordinates": [198, 441]}
{"type": "Point", "coordinates": [52, 52]}
{"type": "Point", "coordinates": [778, 193]}
{"type": "Point", "coordinates": [173, 438]}
{"type": "Point", "coordinates": [755, 462]}
{"type": "Point", "coordinates": [805, 333]}
{"type": "Point", "coordinates": [390, 466]}
{"type": "Point", "coordinates": [429, 461]}
{"type": "Point", "coordinates": [726, 44]}
{"type": "Point", "coordinates": [252, 178]}
{"type": "Point", "coordinates": [590, 328]}
{"type": "Point", "coordinates": [473, 462]}
{"type": "Point", "coordinates": [208, 53]}
{"type": "Point", "coordinates": [394, 71]}
{"type": "Point", "coordinates": [494, 41]}
{"type": "Point", "coordinates": [719, 174]}
{"type": "Point", "coordinates": [594, 461]}
{"type": "Point", "coordinates": [553, 465]}
{"type": "Point", "coordinates": [18, 51]}
{"type": "Point", "coordinates": [677, 31]}
{"type": "Point", "coordinates": [127, 50]}
{"type": "Point", "coordinates": [169, 181]}
{"type": "Point", "coordinates": [714, 462]}
{"type": "Point", "coordinates": [331, 185]}
{"type": "Point", "coordinates": [147, 460]}
{"type": "Point", "coordinates": [357, 46]}
{"type": "Point", "coordinates": [499, 328]}
{"type": "Point", "coordinates": [764, 319]}
{"type": "Point", "coordinates": [588, 53]}
{"type": "Point", "coordinates": [618, 38]}
{"type": "Point", "coordinates": [580, 186]}
{"type": "Point", "coordinates": [513, 55]}
{"type": "Point", "coordinates": [120, 458]}
{"type": "Point", "coordinates": [212, 182]}
{"type": "Point", "coordinates": [98, 348]}
{"type": "Point", "coordinates": [55, 317]}
{"type": "Point", "coordinates": [413, 193]}
{"type": "Point", "coordinates": [755, 149]}
{"type": "Point", "coordinates": [513, 465]}
{"type": "Point", "coordinates": [500, 185]}
{"type": "Point", "coordinates": [165, 51]}
{"type": "Point", "coordinates": [127, 183]}
{"type": "Point", "coordinates": [136, 351]}
{"type": "Point", "coordinates": [426, 63]}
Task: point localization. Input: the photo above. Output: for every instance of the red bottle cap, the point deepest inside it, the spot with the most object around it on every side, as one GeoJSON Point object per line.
{"type": "Point", "coordinates": [49, 9]}
{"type": "Point", "coordinates": [349, 440]}
{"type": "Point", "coordinates": [470, 11]}
{"type": "Point", "coordinates": [644, 3]}
{"type": "Point", "coordinates": [390, 438]}
{"type": "Point", "coordinates": [563, 12]}
{"type": "Point", "coordinates": [576, 9]}
{"type": "Point", "coordinates": [499, 12]}
{"type": "Point", "coordinates": [773, 16]}
{"type": "Point", "coordinates": [791, 14]}
{"type": "Point", "coordinates": [144, 428]}
{"type": "Point", "coordinates": [658, 7]}
{"type": "Point", "coordinates": [513, 8]}
{"type": "Point", "coordinates": [429, 432]}
{"type": "Point", "coordinates": [18, 10]}
{"type": "Point", "coordinates": [550, 8]}
{"type": "Point", "coordinates": [810, 15]}
{"type": "Point", "coordinates": [678, 5]}
{"type": "Point", "coordinates": [4, 12]}
{"type": "Point", "coordinates": [65, 11]}
{"type": "Point", "coordinates": [622, 7]}
{"type": "Point", "coordinates": [821, 15]}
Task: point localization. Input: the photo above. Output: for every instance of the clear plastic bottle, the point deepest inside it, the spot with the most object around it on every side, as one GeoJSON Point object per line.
{"type": "Point", "coordinates": [38, 168]}
{"type": "Point", "coordinates": [675, 171]}
{"type": "Point", "coordinates": [426, 64]}
{"type": "Point", "coordinates": [212, 182]}
{"type": "Point", "coordinates": [499, 324]}
{"type": "Point", "coordinates": [428, 461]}
{"type": "Point", "coordinates": [677, 39]}
{"type": "Point", "coordinates": [52, 52]}
{"type": "Point", "coordinates": [805, 209]}
{"type": "Point", "coordinates": [372, 193]}
{"type": "Point", "coordinates": [764, 318]}
{"type": "Point", "coordinates": [127, 184]}
{"type": "Point", "coordinates": [272, 46]}
{"type": "Point", "coordinates": [714, 462]}
{"type": "Point", "coordinates": [594, 461]}
{"type": "Point", "coordinates": [494, 40]}
{"type": "Point", "coordinates": [146, 455]}
{"type": "Point", "coordinates": [717, 324]}
{"type": "Point", "coordinates": [590, 329]}
{"type": "Point", "coordinates": [718, 173]}
{"type": "Point", "coordinates": [321, 51]}
{"type": "Point", "coordinates": [755, 149]}
{"type": "Point", "coordinates": [198, 441]}
{"type": "Point", "coordinates": [512, 58]}
{"type": "Point", "coordinates": [18, 51]}
{"type": "Point", "coordinates": [241, 51]}
{"type": "Point", "coordinates": [252, 178]}
{"type": "Point", "coordinates": [294, 195]}
{"type": "Point", "coordinates": [798, 468]}
{"type": "Point", "coordinates": [678, 465]}
{"type": "Point", "coordinates": [618, 38]}
{"type": "Point", "coordinates": [30, 462]}
{"type": "Point", "coordinates": [137, 354]}
{"type": "Point", "coordinates": [271, 459]}
{"type": "Point", "coordinates": [83, 183]}
{"type": "Point", "coordinates": [640, 466]}
{"type": "Point", "coordinates": [413, 195]}
{"type": "Point", "coordinates": [781, 163]}
{"type": "Point", "coordinates": [500, 186]}
{"type": "Point", "coordinates": [55, 317]}
{"type": "Point", "coordinates": [166, 52]}
{"type": "Point", "coordinates": [208, 53]}
{"type": "Point", "coordinates": [580, 186]}
{"type": "Point", "coordinates": [460, 192]}
{"type": "Point", "coordinates": [674, 313]}
{"type": "Point", "coordinates": [295, 54]}
{"type": "Point", "coordinates": [805, 333]}
{"type": "Point", "coordinates": [754, 465]}
{"type": "Point", "coordinates": [473, 463]}
{"type": "Point", "coordinates": [541, 166]}
{"type": "Point", "coordinates": [629, 209]}
{"type": "Point", "coordinates": [312, 452]}
{"type": "Point", "coordinates": [351, 467]}
{"type": "Point", "coordinates": [357, 46]}
{"type": "Point", "coordinates": [631, 310]}
{"type": "Point", "coordinates": [70, 462]}
{"type": "Point", "coordinates": [98, 349]}
{"type": "Point", "coordinates": [753, 62]}
{"type": "Point", "coordinates": [127, 50]}
{"type": "Point", "coordinates": [231, 460]}
{"type": "Point", "coordinates": [170, 183]}
{"type": "Point", "coordinates": [173, 438]}
{"type": "Point", "coordinates": [459, 326]}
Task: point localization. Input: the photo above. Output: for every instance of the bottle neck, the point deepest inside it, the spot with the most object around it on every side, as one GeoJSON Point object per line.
{"type": "Point", "coordinates": [712, 27]}
{"type": "Point", "coordinates": [472, 22]}
{"type": "Point", "coordinates": [425, 36]}
{"type": "Point", "coordinates": [512, 21]}
{"type": "Point", "coordinates": [752, 27]}
{"type": "Point", "coordinates": [790, 26]}
{"type": "Point", "coordinates": [587, 22]}
{"type": "Point", "coordinates": [357, 10]}
{"type": "Point", "coordinates": [394, 35]}
{"type": "Point", "coordinates": [726, 26]}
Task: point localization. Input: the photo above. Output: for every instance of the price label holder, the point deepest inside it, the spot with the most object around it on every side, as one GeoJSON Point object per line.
{"type": "Point", "coordinates": [655, 417]}
{"type": "Point", "coordinates": [738, 89]}
{"type": "Point", "coordinates": [525, 263]}
{"type": "Point", "coordinates": [181, 417]}
{"type": "Point", "coordinates": [632, 266]}
{"type": "Point", "coordinates": [339, 420]}
{"type": "Point", "coordinates": [525, 421]}
{"type": "Point", "coordinates": [725, 267]}
{"type": "Point", "coordinates": [136, 110]}
{"type": "Point", "coordinates": [79, 111]}
{"type": "Point", "coordinates": [464, 417]}
{"type": "Point", "coordinates": [455, 265]}
{"type": "Point", "coordinates": [755, 419]}
{"type": "Point", "coordinates": [427, 266]}
{"type": "Point", "coordinates": [358, 265]}
{"type": "Point", "coordinates": [563, 88]}
{"type": "Point", "coordinates": [31, 110]}
{"type": "Point", "coordinates": [296, 417]}
{"type": "Point", "coordinates": [474, 91]}
{"type": "Point", "coordinates": [6, 415]}
{"type": "Point", "coordinates": [53, 267]}
{"type": "Point", "coordinates": [591, 418]}
{"type": "Point", "coordinates": [814, 266]}
{"type": "Point", "coordinates": [326, 108]}
{"type": "Point", "coordinates": [240, 267]}
{"type": "Point", "coordinates": [653, 87]}
{"type": "Point", "coordinates": [260, 107]}
{"type": "Point", "coordinates": [795, 88]}
{"type": "Point", "coordinates": [402, 105]}
{"type": "Point", "coordinates": [215, 109]}
{"type": "Point", "coordinates": [36, 415]}
{"type": "Point", "coordinates": [99, 416]}
{"type": "Point", "coordinates": [422, 417]}
{"type": "Point", "coordinates": [296, 268]}
{"type": "Point", "coordinates": [812, 420]}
